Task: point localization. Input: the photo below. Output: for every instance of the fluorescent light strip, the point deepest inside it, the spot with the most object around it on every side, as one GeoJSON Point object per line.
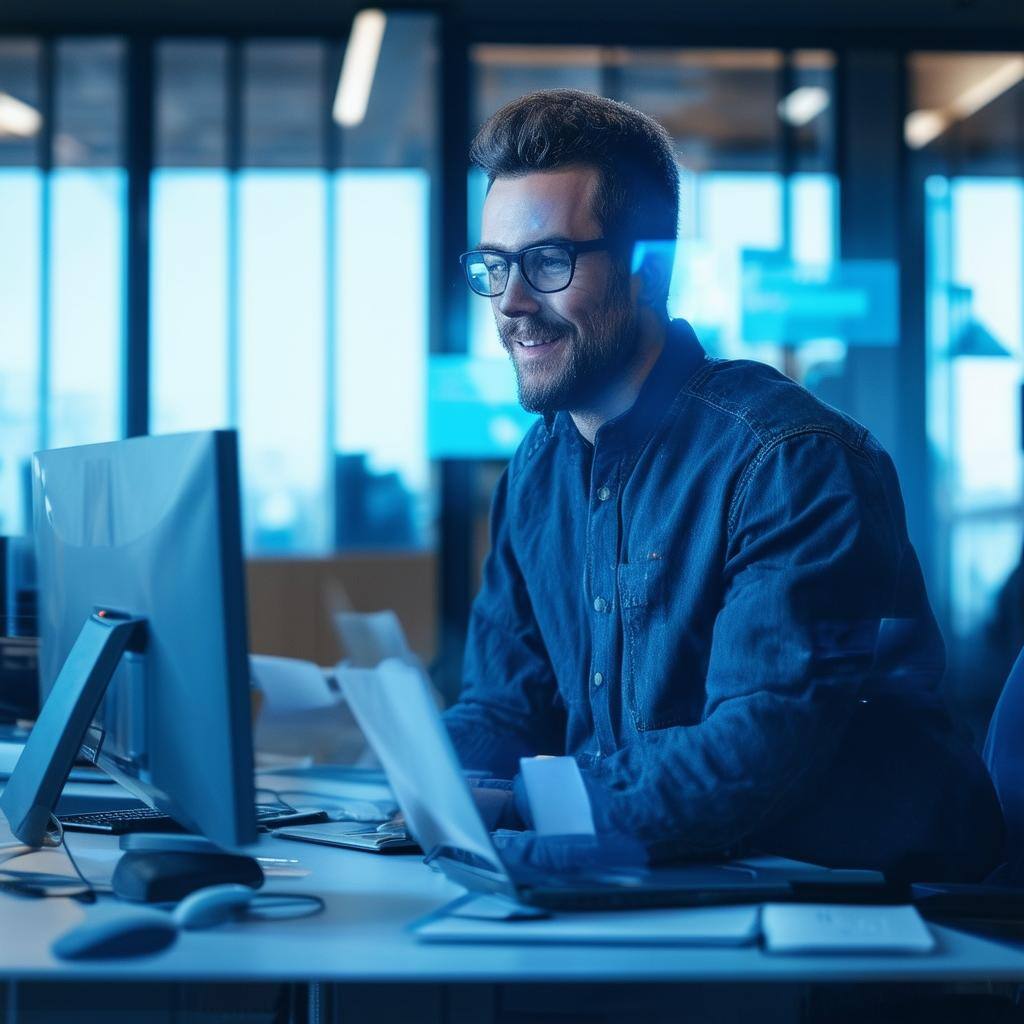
{"type": "Point", "coordinates": [18, 118]}
{"type": "Point", "coordinates": [924, 126]}
{"type": "Point", "coordinates": [359, 67]}
{"type": "Point", "coordinates": [983, 92]}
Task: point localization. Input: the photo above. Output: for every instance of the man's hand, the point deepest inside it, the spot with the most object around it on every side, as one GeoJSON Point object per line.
{"type": "Point", "coordinates": [494, 799]}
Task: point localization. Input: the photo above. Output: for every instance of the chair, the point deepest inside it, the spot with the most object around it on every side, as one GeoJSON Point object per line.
{"type": "Point", "coordinates": [1004, 758]}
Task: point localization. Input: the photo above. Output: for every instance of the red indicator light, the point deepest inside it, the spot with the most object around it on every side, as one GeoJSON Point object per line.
{"type": "Point", "coordinates": [102, 614]}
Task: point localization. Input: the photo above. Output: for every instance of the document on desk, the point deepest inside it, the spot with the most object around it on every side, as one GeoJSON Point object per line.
{"type": "Point", "coordinates": [844, 928]}
{"type": "Point", "coordinates": [698, 926]}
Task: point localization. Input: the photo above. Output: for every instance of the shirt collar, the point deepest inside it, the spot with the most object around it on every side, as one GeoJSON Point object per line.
{"type": "Point", "coordinates": [680, 358]}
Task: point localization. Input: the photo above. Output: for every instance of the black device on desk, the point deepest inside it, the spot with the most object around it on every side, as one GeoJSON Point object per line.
{"type": "Point", "coordinates": [144, 656]}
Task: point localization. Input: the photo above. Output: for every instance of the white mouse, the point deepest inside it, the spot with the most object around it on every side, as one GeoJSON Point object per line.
{"type": "Point", "coordinates": [206, 908]}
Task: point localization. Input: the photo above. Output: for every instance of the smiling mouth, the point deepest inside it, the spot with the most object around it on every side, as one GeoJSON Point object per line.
{"type": "Point", "coordinates": [535, 343]}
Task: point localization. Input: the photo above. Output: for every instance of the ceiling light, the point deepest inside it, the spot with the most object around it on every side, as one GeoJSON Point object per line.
{"type": "Point", "coordinates": [803, 105]}
{"type": "Point", "coordinates": [18, 118]}
{"type": "Point", "coordinates": [359, 67]}
{"type": "Point", "coordinates": [986, 89]}
{"type": "Point", "coordinates": [924, 126]}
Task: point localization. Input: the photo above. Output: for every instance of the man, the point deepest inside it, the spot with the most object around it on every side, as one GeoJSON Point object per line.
{"type": "Point", "coordinates": [700, 585]}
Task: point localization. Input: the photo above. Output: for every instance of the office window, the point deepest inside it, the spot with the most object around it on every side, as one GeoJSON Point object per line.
{"type": "Point", "coordinates": [86, 241]}
{"type": "Point", "coordinates": [193, 339]}
{"type": "Point", "coordinates": [963, 136]}
{"type": "Point", "coordinates": [384, 193]}
{"type": "Point", "coordinates": [61, 255]}
{"type": "Point", "coordinates": [21, 192]}
{"type": "Point", "coordinates": [276, 307]}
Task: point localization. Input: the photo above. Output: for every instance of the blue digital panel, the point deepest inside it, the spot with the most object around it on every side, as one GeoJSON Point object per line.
{"type": "Point", "coordinates": [473, 410]}
{"type": "Point", "coordinates": [789, 303]}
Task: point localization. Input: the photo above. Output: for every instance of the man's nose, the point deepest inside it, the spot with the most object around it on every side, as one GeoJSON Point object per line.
{"type": "Point", "coordinates": [518, 299]}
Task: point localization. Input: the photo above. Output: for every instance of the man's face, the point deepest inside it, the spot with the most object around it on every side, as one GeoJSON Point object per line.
{"type": "Point", "coordinates": [588, 331]}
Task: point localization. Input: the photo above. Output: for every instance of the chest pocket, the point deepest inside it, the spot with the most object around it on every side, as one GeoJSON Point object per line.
{"type": "Point", "coordinates": [641, 584]}
{"type": "Point", "coordinates": [652, 691]}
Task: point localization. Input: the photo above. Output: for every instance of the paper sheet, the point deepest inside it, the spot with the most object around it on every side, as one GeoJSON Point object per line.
{"type": "Point", "coordinates": [289, 684]}
{"type": "Point", "coordinates": [844, 928]}
{"type": "Point", "coordinates": [301, 715]}
{"type": "Point", "coordinates": [395, 708]}
{"type": "Point", "coordinates": [371, 637]}
{"type": "Point", "coordinates": [558, 799]}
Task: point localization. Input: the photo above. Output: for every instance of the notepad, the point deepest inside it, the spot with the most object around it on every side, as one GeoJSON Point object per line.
{"type": "Point", "coordinates": [844, 928]}
{"type": "Point", "coordinates": [671, 926]}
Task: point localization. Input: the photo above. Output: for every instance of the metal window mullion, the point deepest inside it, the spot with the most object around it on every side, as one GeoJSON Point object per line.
{"type": "Point", "coordinates": [458, 477]}
{"type": "Point", "coordinates": [137, 152]}
{"type": "Point", "coordinates": [234, 159]}
{"type": "Point", "coordinates": [332, 256]}
{"type": "Point", "coordinates": [45, 157]}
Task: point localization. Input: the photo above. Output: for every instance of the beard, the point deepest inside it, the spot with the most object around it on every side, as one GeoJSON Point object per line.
{"type": "Point", "coordinates": [592, 354]}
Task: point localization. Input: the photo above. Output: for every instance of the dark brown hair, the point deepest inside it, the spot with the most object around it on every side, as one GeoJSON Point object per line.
{"type": "Point", "coordinates": [638, 194]}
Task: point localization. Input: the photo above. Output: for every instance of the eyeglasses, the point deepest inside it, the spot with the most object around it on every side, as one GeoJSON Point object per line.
{"type": "Point", "coordinates": [545, 268]}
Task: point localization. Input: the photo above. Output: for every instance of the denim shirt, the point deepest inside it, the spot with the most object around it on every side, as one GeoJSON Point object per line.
{"type": "Point", "coordinates": [697, 605]}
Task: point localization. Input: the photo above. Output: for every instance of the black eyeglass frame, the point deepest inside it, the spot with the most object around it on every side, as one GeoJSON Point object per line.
{"type": "Point", "coordinates": [514, 258]}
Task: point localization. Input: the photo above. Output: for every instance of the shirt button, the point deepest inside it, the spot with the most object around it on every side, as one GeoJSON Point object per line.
{"type": "Point", "coordinates": [604, 494]}
{"type": "Point", "coordinates": [600, 604]}
{"type": "Point", "coordinates": [598, 679]}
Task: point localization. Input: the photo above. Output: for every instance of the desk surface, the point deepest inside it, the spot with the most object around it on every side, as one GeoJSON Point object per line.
{"type": "Point", "coordinates": [363, 935]}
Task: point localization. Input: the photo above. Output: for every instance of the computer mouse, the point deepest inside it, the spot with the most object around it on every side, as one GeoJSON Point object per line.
{"type": "Point", "coordinates": [209, 907]}
{"type": "Point", "coordinates": [111, 931]}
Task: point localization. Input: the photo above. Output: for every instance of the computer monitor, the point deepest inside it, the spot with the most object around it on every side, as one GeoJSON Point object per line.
{"type": "Point", "coordinates": [142, 606]}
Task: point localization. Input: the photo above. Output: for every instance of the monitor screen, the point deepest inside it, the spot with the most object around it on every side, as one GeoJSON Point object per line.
{"type": "Point", "coordinates": [151, 527]}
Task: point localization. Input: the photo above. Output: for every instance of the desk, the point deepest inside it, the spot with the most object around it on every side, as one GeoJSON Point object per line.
{"type": "Point", "coordinates": [362, 939]}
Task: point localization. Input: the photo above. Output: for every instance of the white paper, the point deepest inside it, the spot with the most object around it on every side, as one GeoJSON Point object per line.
{"type": "Point", "coordinates": [698, 926]}
{"type": "Point", "coordinates": [558, 799]}
{"type": "Point", "coordinates": [395, 709]}
{"type": "Point", "coordinates": [371, 637]}
{"type": "Point", "coordinates": [288, 684]}
{"type": "Point", "coordinates": [844, 928]}
{"type": "Point", "coordinates": [301, 715]}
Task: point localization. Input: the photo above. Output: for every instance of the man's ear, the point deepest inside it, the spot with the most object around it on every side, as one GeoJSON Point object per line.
{"type": "Point", "coordinates": [652, 273]}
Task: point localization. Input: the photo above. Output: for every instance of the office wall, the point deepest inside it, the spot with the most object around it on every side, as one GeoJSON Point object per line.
{"type": "Point", "coordinates": [290, 601]}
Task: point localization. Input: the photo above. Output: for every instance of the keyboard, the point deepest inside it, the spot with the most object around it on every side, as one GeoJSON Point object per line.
{"type": "Point", "coordinates": [145, 819]}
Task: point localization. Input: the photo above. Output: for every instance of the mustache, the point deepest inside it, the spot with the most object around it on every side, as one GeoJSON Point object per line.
{"type": "Point", "coordinates": [533, 330]}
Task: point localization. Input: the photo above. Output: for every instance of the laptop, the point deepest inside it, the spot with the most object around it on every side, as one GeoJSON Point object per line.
{"type": "Point", "coordinates": [393, 706]}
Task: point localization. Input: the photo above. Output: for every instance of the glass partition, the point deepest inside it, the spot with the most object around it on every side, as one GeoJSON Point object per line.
{"type": "Point", "coordinates": [963, 131]}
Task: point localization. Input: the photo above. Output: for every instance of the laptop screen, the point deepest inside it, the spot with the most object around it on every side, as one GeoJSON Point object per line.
{"type": "Point", "coordinates": [394, 707]}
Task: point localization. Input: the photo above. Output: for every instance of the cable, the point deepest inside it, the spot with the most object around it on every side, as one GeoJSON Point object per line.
{"type": "Point", "coordinates": [42, 884]}
{"type": "Point", "coordinates": [62, 840]}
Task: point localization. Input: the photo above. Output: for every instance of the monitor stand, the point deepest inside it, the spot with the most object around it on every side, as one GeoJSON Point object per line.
{"type": "Point", "coordinates": [35, 785]}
